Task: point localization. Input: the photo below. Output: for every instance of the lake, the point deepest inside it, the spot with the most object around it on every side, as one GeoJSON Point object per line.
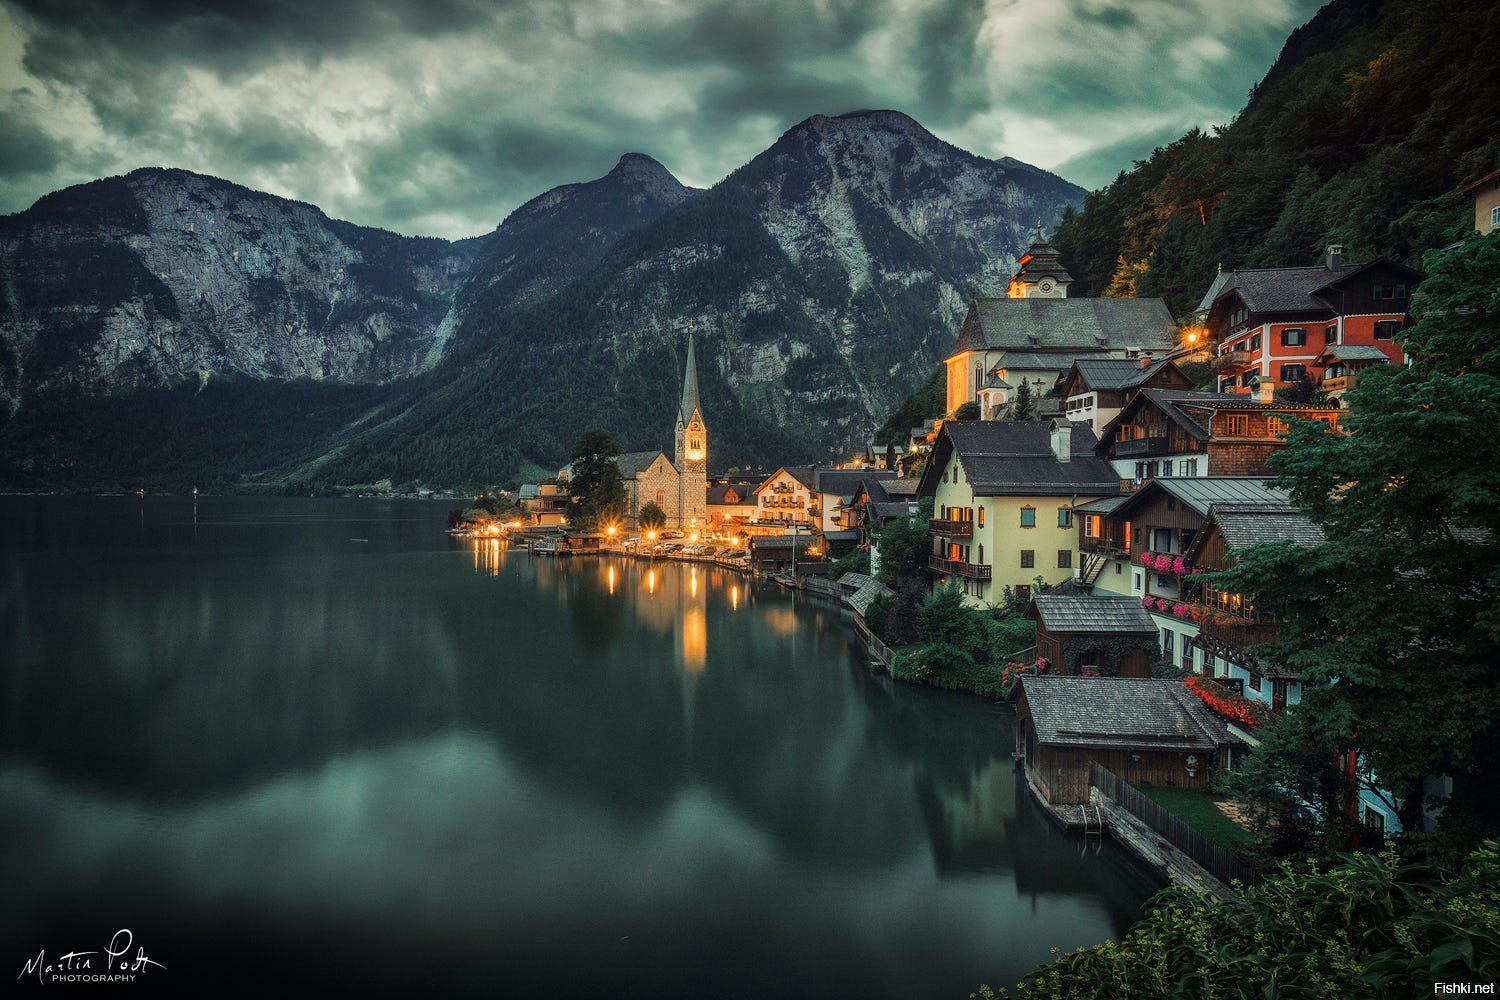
{"type": "Point", "coordinates": [320, 743]}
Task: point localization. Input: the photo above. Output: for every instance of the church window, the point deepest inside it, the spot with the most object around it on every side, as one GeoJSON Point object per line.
{"type": "Point", "coordinates": [661, 499]}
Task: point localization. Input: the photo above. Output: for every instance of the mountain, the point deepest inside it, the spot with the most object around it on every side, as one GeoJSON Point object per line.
{"type": "Point", "coordinates": [214, 335]}
{"type": "Point", "coordinates": [1373, 117]}
{"type": "Point", "coordinates": [822, 280]}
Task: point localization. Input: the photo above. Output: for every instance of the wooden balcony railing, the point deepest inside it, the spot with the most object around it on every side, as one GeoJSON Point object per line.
{"type": "Point", "coordinates": [957, 567]}
{"type": "Point", "coordinates": [1238, 630]}
{"type": "Point", "coordinates": [1141, 446]}
{"type": "Point", "coordinates": [950, 527]}
{"type": "Point", "coordinates": [1104, 546]}
{"type": "Point", "coordinates": [1233, 361]}
{"type": "Point", "coordinates": [1339, 383]}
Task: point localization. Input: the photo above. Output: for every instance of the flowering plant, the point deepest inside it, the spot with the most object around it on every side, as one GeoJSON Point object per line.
{"type": "Point", "coordinates": [1235, 707]}
{"type": "Point", "coordinates": [1012, 672]}
{"type": "Point", "coordinates": [1148, 602]}
{"type": "Point", "coordinates": [1181, 611]}
{"type": "Point", "coordinates": [1180, 566]}
{"type": "Point", "coordinates": [1146, 558]}
{"type": "Point", "coordinates": [1163, 564]}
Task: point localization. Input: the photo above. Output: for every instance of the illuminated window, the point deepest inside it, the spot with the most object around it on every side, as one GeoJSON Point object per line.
{"type": "Point", "coordinates": [981, 517]}
{"type": "Point", "coordinates": [661, 499]}
{"type": "Point", "coordinates": [1237, 424]}
{"type": "Point", "coordinates": [1028, 517]}
{"type": "Point", "coordinates": [1275, 426]}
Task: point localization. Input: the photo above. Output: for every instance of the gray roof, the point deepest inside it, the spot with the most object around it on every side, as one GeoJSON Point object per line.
{"type": "Point", "coordinates": [890, 510]}
{"type": "Point", "coordinates": [1296, 289]}
{"type": "Point", "coordinates": [845, 482]}
{"type": "Point", "coordinates": [1015, 458]}
{"type": "Point", "coordinates": [1086, 325]}
{"type": "Point", "coordinates": [1199, 493]}
{"type": "Point", "coordinates": [1115, 711]}
{"type": "Point", "coordinates": [633, 463]}
{"type": "Point", "coordinates": [1244, 525]}
{"type": "Point", "coordinates": [853, 581]}
{"type": "Point", "coordinates": [1093, 613]}
{"type": "Point", "coordinates": [689, 385]}
{"type": "Point", "coordinates": [1356, 352]}
{"type": "Point", "coordinates": [1221, 278]}
{"type": "Point", "coordinates": [900, 487]}
{"type": "Point", "coordinates": [1115, 373]}
{"type": "Point", "coordinates": [1103, 505]}
{"type": "Point", "coordinates": [528, 491]}
{"type": "Point", "coordinates": [860, 600]}
{"type": "Point", "coordinates": [1024, 360]}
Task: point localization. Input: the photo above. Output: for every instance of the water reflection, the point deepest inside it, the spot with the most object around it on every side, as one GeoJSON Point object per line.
{"type": "Point", "coordinates": [477, 746]}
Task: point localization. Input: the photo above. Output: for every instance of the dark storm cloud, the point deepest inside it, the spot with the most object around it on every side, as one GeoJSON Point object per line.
{"type": "Point", "coordinates": [441, 116]}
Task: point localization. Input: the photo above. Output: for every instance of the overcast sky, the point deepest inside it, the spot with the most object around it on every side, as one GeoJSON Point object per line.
{"type": "Point", "coordinates": [439, 117]}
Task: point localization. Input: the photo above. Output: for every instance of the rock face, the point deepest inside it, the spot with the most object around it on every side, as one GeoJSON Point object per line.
{"type": "Point", "coordinates": [163, 275]}
{"type": "Point", "coordinates": [823, 280]}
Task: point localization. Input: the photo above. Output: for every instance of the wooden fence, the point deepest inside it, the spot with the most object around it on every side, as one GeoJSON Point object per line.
{"type": "Point", "coordinates": [1218, 862]}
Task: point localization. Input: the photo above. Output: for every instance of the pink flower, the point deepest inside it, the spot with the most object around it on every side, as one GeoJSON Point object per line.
{"type": "Point", "coordinates": [1148, 602]}
{"type": "Point", "coordinates": [1180, 566]}
{"type": "Point", "coordinates": [1145, 559]}
{"type": "Point", "coordinates": [1180, 610]}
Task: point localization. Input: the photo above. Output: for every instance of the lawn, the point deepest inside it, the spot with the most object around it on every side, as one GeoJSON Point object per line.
{"type": "Point", "coordinates": [1196, 809]}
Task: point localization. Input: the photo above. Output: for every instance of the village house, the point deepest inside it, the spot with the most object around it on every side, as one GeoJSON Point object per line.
{"type": "Point", "coordinates": [1003, 495]}
{"type": "Point", "coordinates": [1135, 546]}
{"type": "Point", "coordinates": [1486, 192]}
{"type": "Point", "coordinates": [1272, 324]}
{"type": "Point", "coordinates": [1147, 732]}
{"type": "Point", "coordinates": [785, 499]}
{"type": "Point", "coordinates": [545, 503]}
{"type": "Point", "coordinates": [1341, 365]}
{"type": "Point", "coordinates": [1105, 635]}
{"type": "Point", "coordinates": [1035, 333]}
{"type": "Point", "coordinates": [1167, 432]}
{"type": "Point", "coordinates": [1094, 390]}
{"type": "Point", "coordinates": [730, 510]}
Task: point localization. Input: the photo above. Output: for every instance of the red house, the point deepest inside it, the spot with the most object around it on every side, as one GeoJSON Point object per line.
{"type": "Point", "coordinates": [1274, 324]}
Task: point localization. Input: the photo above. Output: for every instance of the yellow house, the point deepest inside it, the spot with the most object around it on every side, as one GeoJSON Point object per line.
{"type": "Point", "coordinates": [1003, 497]}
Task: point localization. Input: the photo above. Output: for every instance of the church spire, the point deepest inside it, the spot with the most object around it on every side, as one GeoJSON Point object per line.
{"type": "Point", "coordinates": [689, 386]}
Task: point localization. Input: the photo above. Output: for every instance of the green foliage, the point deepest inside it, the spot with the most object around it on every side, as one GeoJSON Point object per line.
{"type": "Point", "coordinates": [1394, 621]}
{"type": "Point", "coordinates": [857, 561]}
{"type": "Point", "coordinates": [1009, 633]}
{"type": "Point", "coordinates": [1335, 146]}
{"type": "Point", "coordinates": [652, 517]}
{"type": "Point", "coordinates": [903, 549]}
{"type": "Point", "coordinates": [595, 484]}
{"type": "Point", "coordinates": [967, 411]}
{"type": "Point", "coordinates": [1023, 406]}
{"type": "Point", "coordinates": [1369, 926]}
{"type": "Point", "coordinates": [927, 402]}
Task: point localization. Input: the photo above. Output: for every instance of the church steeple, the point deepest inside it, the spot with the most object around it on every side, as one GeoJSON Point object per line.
{"type": "Point", "coordinates": [1039, 272]}
{"type": "Point", "coordinates": [689, 387]}
{"type": "Point", "coordinates": [692, 450]}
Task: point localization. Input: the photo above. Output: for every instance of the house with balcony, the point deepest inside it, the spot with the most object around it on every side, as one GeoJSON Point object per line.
{"type": "Point", "coordinates": [731, 508]}
{"type": "Point", "coordinates": [1094, 390]}
{"type": "Point", "coordinates": [1271, 325]}
{"type": "Point", "coordinates": [1035, 332]}
{"type": "Point", "coordinates": [1135, 547]}
{"type": "Point", "coordinates": [1003, 497]}
{"type": "Point", "coordinates": [1167, 432]}
{"type": "Point", "coordinates": [785, 499]}
{"type": "Point", "coordinates": [1341, 365]}
{"type": "Point", "coordinates": [833, 496]}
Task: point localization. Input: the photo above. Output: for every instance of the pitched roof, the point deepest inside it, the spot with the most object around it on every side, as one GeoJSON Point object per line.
{"type": "Point", "coordinates": [1092, 613]}
{"type": "Point", "coordinates": [802, 473]}
{"type": "Point", "coordinates": [1114, 373]}
{"type": "Point", "coordinates": [1247, 524]}
{"type": "Point", "coordinates": [899, 487]}
{"type": "Point", "coordinates": [689, 385]}
{"type": "Point", "coordinates": [1115, 711]}
{"type": "Point", "coordinates": [1024, 360]}
{"type": "Point", "coordinates": [1221, 278]}
{"type": "Point", "coordinates": [633, 463]}
{"type": "Point", "coordinates": [1085, 325]}
{"type": "Point", "coordinates": [1356, 352]}
{"type": "Point", "coordinates": [861, 599]}
{"type": "Point", "coordinates": [1199, 493]}
{"type": "Point", "coordinates": [728, 496]}
{"type": "Point", "coordinates": [1015, 458]}
{"type": "Point", "coordinates": [1192, 411]}
{"type": "Point", "coordinates": [1104, 505]}
{"type": "Point", "coordinates": [844, 482]}
{"type": "Point", "coordinates": [1295, 289]}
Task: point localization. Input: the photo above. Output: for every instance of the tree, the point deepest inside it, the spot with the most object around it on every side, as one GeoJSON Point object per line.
{"type": "Point", "coordinates": [967, 411]}
{"type": "Point", "coordinates": [652, 517]}
{"type": "Point", "coordinates": [1023, 406]}
{"type": "Point", "coordinates": [903, 546]}
{"type": "Point", "coordinates": [595, 484]}
{"type": "Point", "coordinates": [1394, 620]}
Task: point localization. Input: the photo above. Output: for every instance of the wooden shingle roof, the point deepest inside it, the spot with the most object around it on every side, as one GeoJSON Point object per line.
{"type": "Point", "coordinates": [1085, 325]}
{"type": "Point", "coordinates": [1120, 712]}
{"type": "Point", "coordinates": [1061, 613]}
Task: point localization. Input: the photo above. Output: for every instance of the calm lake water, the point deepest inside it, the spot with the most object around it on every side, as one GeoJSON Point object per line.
{"type": "Point", "coordinates": [309, 743]}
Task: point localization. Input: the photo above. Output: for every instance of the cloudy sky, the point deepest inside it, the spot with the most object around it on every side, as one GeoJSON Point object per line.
{"type": "Point", "coordinates": [440, 116]}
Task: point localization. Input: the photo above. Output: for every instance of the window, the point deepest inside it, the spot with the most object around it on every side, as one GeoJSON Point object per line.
{"type": "Point", "coordinates": [1166, 467]}
{"type": "Point", "coordinates": [1064, 558]}
{"type": "Point", "coordinates": [1375, 820]}
{"type": "Point", "coordinates": [1189, 466]}
{"type": "Point", "coordinates": [1251, 377]}
{"type": "Point", "coordinates": [1237, 424]}
{"type": "Point", "coordinates": [1137, 585]}
{"type": "Point", "coordinates": [661, 499]}
{"type": "Point", "coordinates": [1023, 592]}
{"type": "Point", "coordinates": [1255, 342]}
{"type": "Point", "coordinates": [1385, 329]}
{"type": "Point", "coordinates": [1495, 216]}
{"type": "Point", "coordinates": [1226, 384]}
{"type": "Point", "coordinates": [1397, 291]}
{"type": "Point", "coordinates": [981, 517]}
{"type": "Point", "coordinates": [1331, 333]}
{"type": "Point", "coordinates": [1028, 517]}
{"type": "Point", "coordinates": [1091, 526]}
{"type": "Point", "coordinates": [1293, 373]}
{"type": "Point", "coordinates": [981, 553]}
{"type": "Point", "coordinates": [1275, 426]}
{"type": "Point", "coordinates": [1294, 336]}
{"type": "Point", "coordinates": [1064, 517]}
{"type": "Point", "coordinates": [1028, 558]}
{"type": "Point", "coordinates": [1168, 643]}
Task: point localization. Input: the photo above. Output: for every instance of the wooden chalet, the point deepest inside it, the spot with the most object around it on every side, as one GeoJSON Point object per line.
{"type": "Point", "coordinates": [1101, 634]}
{"type": "Point", "coordinates": [1166, 432]}
{"type": "Point", "coordinates": [1094, 390]}
{"type": "Point", "coordinates": [1152, 732]}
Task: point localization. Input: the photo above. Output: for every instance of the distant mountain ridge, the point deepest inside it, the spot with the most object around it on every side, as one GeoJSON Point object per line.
{"type": "Point", "coordinates": [822, 280]}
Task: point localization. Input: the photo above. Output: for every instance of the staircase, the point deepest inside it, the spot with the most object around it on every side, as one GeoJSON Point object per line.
{"type": "Point", "coordinates": [1090, 565]}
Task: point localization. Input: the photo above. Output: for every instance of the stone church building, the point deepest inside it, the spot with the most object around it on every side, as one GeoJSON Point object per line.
{"type": "Point", "coordinates": [680, 487]}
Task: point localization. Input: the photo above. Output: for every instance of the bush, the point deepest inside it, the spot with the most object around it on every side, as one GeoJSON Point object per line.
{"type": "Point", "coordinates": [857, 561]}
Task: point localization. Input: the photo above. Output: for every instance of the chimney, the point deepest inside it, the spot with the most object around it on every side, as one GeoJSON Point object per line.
{"type": "Point", "coordinates": [1335, 257]}
{"type": "Point", "coordinates": [1145, 360]}
{"type": "Point", "coordinates": [1062, 440]}
{"type": "Point", "coordinates": [1265, 391]}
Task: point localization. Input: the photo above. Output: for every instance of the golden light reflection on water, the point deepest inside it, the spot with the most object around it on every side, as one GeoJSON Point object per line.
{"type": "Point", "coordinates": [489, 554]}
{"type": "Point", "coordinates": [694, 640]}
{"type": "Point", "coordinates": [612, 577]}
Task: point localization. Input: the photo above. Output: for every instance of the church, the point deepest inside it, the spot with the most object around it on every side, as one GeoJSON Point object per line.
{"type": "Point", "coordinates": [680, 487]}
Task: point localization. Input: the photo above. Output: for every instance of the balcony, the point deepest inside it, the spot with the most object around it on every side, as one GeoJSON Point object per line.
{"type": "Point", "coordinates": [1237, 631]}
{"type": "Point", "coordinates": [1339, 383]}
{"type": "Point", "coordinates": [957, 567]}
{"type": "Point", "coordinates": [950, 528]}
{"type": "Point", "coordinates": [1233, 361]}
{"type": "Point", "coordinates": [1141, 446]}
{"type": "Point", "coordinates": [1104, 546]}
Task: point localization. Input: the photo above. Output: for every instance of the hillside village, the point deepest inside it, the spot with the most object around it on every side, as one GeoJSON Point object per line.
{"type": "Point", "coordinates": [1097, 469]}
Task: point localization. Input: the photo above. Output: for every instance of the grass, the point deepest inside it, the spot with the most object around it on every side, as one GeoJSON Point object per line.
{"type": "Point", "coordinates": [1197, 809]}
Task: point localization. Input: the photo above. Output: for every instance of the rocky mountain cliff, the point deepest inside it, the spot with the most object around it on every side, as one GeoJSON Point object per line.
{"type": "Point", "coordinates": [822, 280]}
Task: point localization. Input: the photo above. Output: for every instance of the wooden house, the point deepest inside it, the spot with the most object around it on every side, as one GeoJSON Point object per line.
{"type": "Point", "coordinates": [1094, 390]}
{"type": "Point", "coordinates": [1148, 732]}
{"type": "Point", "coordinates": [1107, 635]}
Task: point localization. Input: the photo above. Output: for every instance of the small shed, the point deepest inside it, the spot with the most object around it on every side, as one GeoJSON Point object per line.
{"type": "Point", "coordinates": [1103, 634]}
{"type": "Point", "coordinates": [1145, 731]}
{"type": "Point", "coordinates": [777, 553]}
